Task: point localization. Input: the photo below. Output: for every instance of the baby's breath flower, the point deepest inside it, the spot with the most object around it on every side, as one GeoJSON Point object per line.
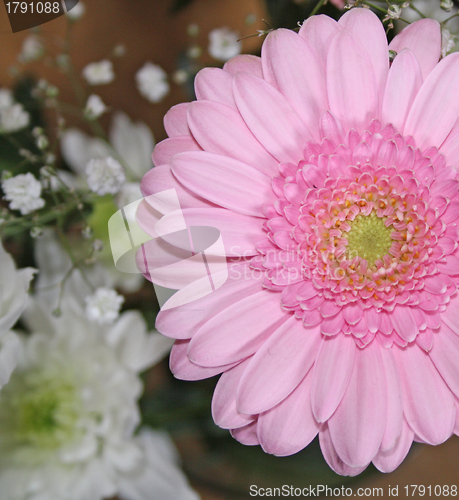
{"type": "Point", "coordinates": [95, 107]}
{"type": "Point", "coordinates": [152, 82]}
{"type": "Point", "coordinates": [104, 306]}
{"type": "Point", "coordinates": [32, 49]}
{"type": "Point", "coordinates": [194, 52]}
{"type": "Point", "coordinates": [13, 118]}
{"type": "Point", "coordinates": [447, 41]}
{"type": "Point", "coordinates": [180, 76]}
{"type": "Point", "coordinates": [105, 176]}
{"type": "Point", "coordinates": [224, 44]}
{"type": "Point", "coordinates": [446, 5]}
{"type": "Point", "coordinates": [23, 192]}
{"type": "Point", "coordinates": [6, 98]}
{"type": "Point", "coordinates": [99, 73]}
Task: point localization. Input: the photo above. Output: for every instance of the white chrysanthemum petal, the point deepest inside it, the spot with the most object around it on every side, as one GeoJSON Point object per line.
{"type": "Point", "coordinates": [134, 142]}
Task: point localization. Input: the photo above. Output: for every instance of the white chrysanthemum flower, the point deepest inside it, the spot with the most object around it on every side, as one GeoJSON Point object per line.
{"type": "Point", "coordinates": [69, 411]}
{"type": "Point", "coordinates": [6, 98]}
{"type": "Point", "coordinates": [14, 285]}
{"type": "Point", "coordinates": [152, 82]}
{"type": "Point", "coordinates": [23, 192]}
{"type": "Point", "coordinates": [129, 193]}
{"type": "Point", "coordinates": [13, 118]}
{"type": "Point", "coordinates": [447, 42]}
{"type": "Point", "coordinates": [134, 142]}
{"type": "Point", "coordinates": [105, 176]}
{"type": "Point", "coordinates": [99, 73]}
{"type": "Point", "coordinates": [95, 107]}
{"type": "Point", "coordinates": [104, 306]}
{"type": "Point", "coordinates": [224, 44]}
{"type": "Point", "coordinates": [77, 12]}
{"type": "Point", "coordinates": [32, 49]}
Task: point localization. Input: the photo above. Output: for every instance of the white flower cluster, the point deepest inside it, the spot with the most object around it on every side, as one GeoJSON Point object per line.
{"type": "Point", "coordinates": [152, 82]}
{"type": "Point", "coordinates": [104, 306]}
{"type": "Point", "coordinates": [105, 176]}
{"type": "Point", "coordinates": [95, 107]}
{"type": "Point", "coordinates": [23, 192]}
{"type": "Point", "coordinates": [13, 116]}
{"type": "Point", "coordinates": [99, 73]}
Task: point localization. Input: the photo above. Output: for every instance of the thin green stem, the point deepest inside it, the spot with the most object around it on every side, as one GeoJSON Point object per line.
{"type": "Point", "coordinates": [318, 6]}
{"type": "Point", "coordinates": [417, 10]}
{"type": "Point", "coordinates": [449, 18]}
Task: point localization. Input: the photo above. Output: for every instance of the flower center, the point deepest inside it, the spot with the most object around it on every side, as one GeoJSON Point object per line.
{"type": "Point", "coordinates": [369, 238]}
{"type": "Point", "coordinates": [38, 410]}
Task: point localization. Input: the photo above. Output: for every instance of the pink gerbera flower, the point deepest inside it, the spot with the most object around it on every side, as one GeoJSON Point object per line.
{"type": "Point", "coordinates": [332, 172]}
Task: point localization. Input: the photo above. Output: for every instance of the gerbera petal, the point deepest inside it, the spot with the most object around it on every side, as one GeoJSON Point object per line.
{"type": "Point", "coordinates": [237, 243]}
{"type": "Point", "coordinates": [445, 355]}
{"type": "Point", "coordinates": [428, 406]}
{"type": "Point", "coordinates": [332, 458]}
{"type": "Point", "coordinates": [215, 84]}
{"type": "Point", "coordinates": [403, 84]}
{"type": "Point", "coordinates": [432, 117]}
{"type": "Point", "coordinates": [224, 411]}
{"type": "Point", "coordinates": [238, 331]}
{"type": "Point", "coordinates": [246, 435]}
{"type": "Point", "coordinates": [451, 314]}
{"type": "Point", "coordinates": [290, 426]}
{"type": "Point", "coordinates": [332, 372]}
{"type": "Point", "coordinates": [388, 461]}
{"type": "Point", "coordinates": [394, 401]}
{"type": "Point", "coordinates": [358, 424]}
{"type": "Point", "coordinates": [351, 83]}
{"type": "Point", "coordinates": [175, 120]}
{"type": "Point", "coordinates": [280, 364]}
{"type": "Point", "coordinates": [184, 369]}
{"type": "Point", "coordinates": [423, 38]}
{"type": "Point", "coordinates": [270, 117]}
{"type": "Point", "coordinates": [245, 62]}
{"type": "Point", "coordinates": [291, 66]}
{"type": "Point", "coordinates": [165, 150]}
{"type": "Point", "coordinates": [225, 181]}
{"type": "Point", "coordinates": [404, 323]}
{"type": "Point", "coordinates": [184, 321]}
{"type": "Point", "coordinates": [161, 178]}
{"type": "Point", "coordinates": [367, 28]}
{"type": "Point", "coordinates": [319, 31]}
{"type": "Point", "coordinates": [450, 147]}
{"type": "Point", "coordinates": [220, 129]}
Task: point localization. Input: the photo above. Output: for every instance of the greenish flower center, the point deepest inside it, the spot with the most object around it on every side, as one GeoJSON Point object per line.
{"type": "Point", "coordinates": [38, 411]}
{"type": "Point", "coordinates": [369, 238]}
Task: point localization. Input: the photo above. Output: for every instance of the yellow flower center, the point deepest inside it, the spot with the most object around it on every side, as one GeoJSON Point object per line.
{"type": "Point", "coordinates": [369, 238]}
